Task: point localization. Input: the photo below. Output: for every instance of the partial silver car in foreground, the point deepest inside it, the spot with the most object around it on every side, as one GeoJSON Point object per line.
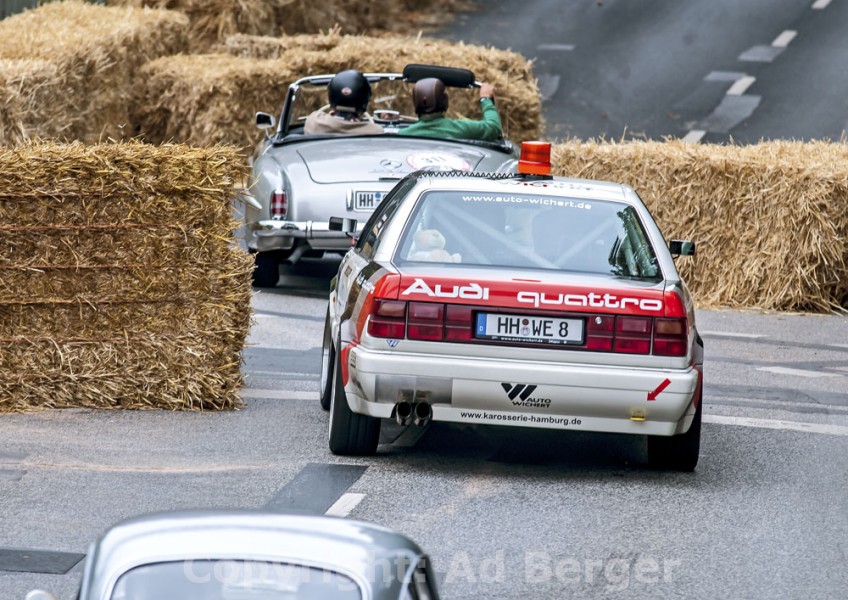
{"type": "Point", "coordinates": [299, 181]}
{"type": "Point", "coordinates": [245, 555]}
{"type": "Point", "coordinates": [519, 300]}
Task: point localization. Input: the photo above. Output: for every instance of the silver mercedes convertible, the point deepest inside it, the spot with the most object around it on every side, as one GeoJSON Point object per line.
{"type": "Point", "coordinates": [298, 180]}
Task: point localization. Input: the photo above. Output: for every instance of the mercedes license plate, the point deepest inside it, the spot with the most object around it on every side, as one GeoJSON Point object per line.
{"type": "Point", "coordinates": [529, 330]}
{"type": "Point", "coordinates": [367, 200]}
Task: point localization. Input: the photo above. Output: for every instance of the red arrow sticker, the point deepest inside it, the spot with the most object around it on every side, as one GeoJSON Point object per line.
{"type": "Point", "coordinates": [653, 395]}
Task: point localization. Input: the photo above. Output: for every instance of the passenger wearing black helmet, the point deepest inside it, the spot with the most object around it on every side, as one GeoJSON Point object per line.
{"type": "Point", "coordinates": [430, 97]}
{"type": "Point", "coordinates": [348, 93]}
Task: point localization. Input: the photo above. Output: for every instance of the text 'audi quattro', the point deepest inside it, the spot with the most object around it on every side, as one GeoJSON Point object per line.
{"type": "Point", "coordinates": [515, 300]}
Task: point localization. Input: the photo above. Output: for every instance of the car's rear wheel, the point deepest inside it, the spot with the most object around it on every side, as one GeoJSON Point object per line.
{"type": "Point", "coordinates": [328, 359]}
{"type": "Point", "coordinates": [677, 452]}
{"type": "Point", "coordinates": [350, 433]}
{"type": "Point", "coordinates": [266, 272]}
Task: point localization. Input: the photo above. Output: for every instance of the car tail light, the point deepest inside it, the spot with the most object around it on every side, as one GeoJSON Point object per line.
{"type": "Point", "coordinates": [632, 335]}
{"type": "Point", "coordinates": [599, 333]}
{"type": "Point", "coordinates": [671, 337]}
{"type": "Point", "coordinates": [458, 323]}
{"type": "Point", "coordinates": [426, 321]}
{"type": "Point", "coordinates": [279, 204]}
{"type": "Point", "coordinates": [388, 319]}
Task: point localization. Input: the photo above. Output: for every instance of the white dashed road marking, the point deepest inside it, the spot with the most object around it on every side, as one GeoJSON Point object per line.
{"type": "Point", "coordinates": [731, 400]}
{"type": "Point", "coordinates": [556, 47]}
{"type": "Point", "coordinates": [694, 136]}
{"type": "Point", "coordinates": [723, 76]}
{"type": "Point", "coordinates": [777, 424]}
{"type": "Point", "coordinates": [798, 372]}
{"type": "Point", "coordinates": [784, 39]}
{"type": "Point", "coordinates": [820, 4]}
{"type": "Point", "coordinates": [733, 334]}
{"type": "Point", "coordinates": [345, 505]}
{"type": "Point", "coordinates": [741, 85]}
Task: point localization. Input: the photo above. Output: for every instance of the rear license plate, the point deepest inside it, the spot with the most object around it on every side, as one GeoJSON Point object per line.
{"type": "Point", "coordinates": [367, 200]}
{"type": "Point", "coordinates": [529, 330]}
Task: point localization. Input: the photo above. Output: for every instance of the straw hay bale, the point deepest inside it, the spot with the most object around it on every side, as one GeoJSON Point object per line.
{"type": "Point", "coordinates": [162, 372]}
{"type": "Point", "coordinates": [213, 21]}
{"type": "Point", "coordinates": [72, 64]}
{"type": "Point", "coordinates": [11, 116]}
{"type": "Point", "coordinates": [205, 99]}
{"type": "Point", "coordinates": [770, 220]}
{"type": "Point", "coordinates": [28, 88]}
{"type": "Point", "coordinates": [265, 47]}
{"type": "Point", "coordinates": [120, 285]}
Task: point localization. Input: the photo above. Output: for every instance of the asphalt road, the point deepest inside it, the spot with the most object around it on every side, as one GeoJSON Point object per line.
{"type": "Point", "coordinates": [505, 513]}
{"type": "Point", "coordinates": [752, 70]}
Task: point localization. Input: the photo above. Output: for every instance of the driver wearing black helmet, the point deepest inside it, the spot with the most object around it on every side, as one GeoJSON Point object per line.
{"type": "Point", "coordinates": [348, 93]}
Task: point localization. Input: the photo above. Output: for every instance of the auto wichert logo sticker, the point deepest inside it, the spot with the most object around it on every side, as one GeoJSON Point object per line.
{"type": "Point", "coordinates": [522, 395]}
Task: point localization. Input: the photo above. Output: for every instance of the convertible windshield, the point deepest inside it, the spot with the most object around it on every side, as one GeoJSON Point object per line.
{"type": "Point", "coordinates": [529, 231]}
{"type": "Point", "coordinates": [386, 95]}
{"type": "Point", "coordinates": [233, 580]}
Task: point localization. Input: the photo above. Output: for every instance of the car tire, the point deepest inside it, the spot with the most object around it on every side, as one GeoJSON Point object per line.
{"type": "Point", "coordinates": [677, 452]}
{"type": "Point", "coordinates": [328, 359]}
{"type": "Point", "coordinates": [266, 272]}
{"type": "Point", "coordinates": [351, 434]}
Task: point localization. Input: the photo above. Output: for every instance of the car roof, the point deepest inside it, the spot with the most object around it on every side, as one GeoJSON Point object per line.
{"type": "Point", "coordinates": [347, 546]}
{"type": "Point", "coordinates": [553, 186]}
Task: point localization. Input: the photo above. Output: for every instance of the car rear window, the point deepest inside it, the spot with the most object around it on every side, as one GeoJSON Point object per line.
{"type": "Point", "coordinates": [527, 231]}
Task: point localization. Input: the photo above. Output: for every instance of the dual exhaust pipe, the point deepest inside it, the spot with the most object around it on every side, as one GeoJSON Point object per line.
{"type": "Point", "coordinates": [418, 414]}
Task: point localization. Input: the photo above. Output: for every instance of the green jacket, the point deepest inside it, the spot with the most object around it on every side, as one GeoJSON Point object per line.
{"type": "Point", "coordinates": [438, 125]}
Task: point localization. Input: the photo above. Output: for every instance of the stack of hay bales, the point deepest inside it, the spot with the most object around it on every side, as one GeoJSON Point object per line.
{"type": "Point", "coordinates": [119, 282]}
{"type": "Point", "coordinates": [205, 99]}
{"type": "Point", "coordinates": [770, 220]}
{"type": "Point", "coordinates": [212, 21]}
{"type": "Point", "coordinates": [68, 67]}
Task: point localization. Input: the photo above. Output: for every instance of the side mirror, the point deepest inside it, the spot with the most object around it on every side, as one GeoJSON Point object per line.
{"type": "Point", "coordinates": [264, 120]}
{"type": "Point", "coordinates": [347, 226]}
{"type": "Point", "coordinates": [681, 248]}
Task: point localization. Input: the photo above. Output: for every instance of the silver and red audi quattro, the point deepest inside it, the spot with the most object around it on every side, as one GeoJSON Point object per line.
{"type": "Point", "coordinates": [513, 299]}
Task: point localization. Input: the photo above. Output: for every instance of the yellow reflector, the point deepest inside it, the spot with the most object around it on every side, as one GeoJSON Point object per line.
{"type": "Point", "coordinates": [638, 414]}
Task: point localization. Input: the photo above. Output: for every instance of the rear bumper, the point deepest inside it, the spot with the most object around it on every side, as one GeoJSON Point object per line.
{"type": "Point", "coordinates": [525, 394]}
{"type": "Point", "coordinates": [263, 236]}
